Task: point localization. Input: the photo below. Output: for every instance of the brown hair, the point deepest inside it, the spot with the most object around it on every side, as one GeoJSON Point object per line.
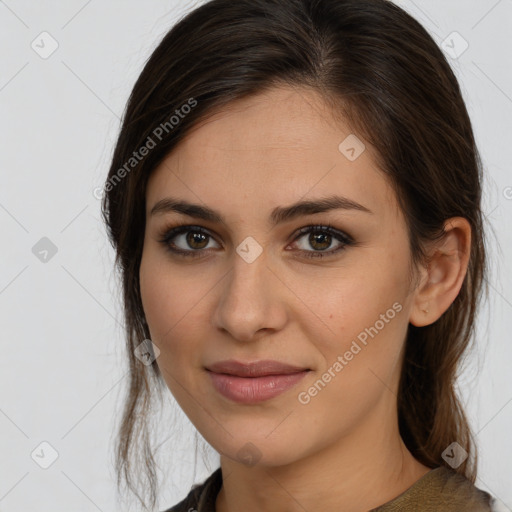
{"type": "Point", "coordinates": [382, 71]}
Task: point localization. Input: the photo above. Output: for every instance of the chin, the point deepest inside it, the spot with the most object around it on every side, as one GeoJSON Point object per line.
{"type": "Point", "coordinates": [255, 449]}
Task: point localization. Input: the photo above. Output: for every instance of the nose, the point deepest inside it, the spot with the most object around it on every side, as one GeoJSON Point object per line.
{"type": "Point", "coordinates": [251, 300]}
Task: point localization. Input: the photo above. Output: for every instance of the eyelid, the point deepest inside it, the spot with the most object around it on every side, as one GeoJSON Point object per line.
{"type": "Point", "coordinates": [343, 238]}
{"type": "Point", "coordinates": [328, 228]}
{"type": "Point", "coordinates": [169, 233]}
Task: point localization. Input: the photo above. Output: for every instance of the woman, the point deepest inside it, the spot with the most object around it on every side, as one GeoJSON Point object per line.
{"type": "Point", "coordinates": [294, 200]}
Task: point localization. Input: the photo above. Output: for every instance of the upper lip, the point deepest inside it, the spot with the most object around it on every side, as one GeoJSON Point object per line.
{"type": "Point", "coordinates": [254, 369]}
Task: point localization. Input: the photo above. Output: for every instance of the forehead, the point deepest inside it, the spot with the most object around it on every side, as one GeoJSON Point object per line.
{"type": "Point", "coordinates": [279, 118]}
{"type": "Point", "coordinates": [273, 148]}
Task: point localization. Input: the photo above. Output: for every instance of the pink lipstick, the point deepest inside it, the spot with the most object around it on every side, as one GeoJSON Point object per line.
{"type": "Point", "coordinates": [254, 382]}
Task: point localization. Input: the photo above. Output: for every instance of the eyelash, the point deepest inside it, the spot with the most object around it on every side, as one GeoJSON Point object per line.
{"type": "Point", "coordinates": [169, 234]}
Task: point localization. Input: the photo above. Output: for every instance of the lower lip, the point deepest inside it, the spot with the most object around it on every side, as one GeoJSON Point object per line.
{"type": "Point", "coordinates": [251, 390]}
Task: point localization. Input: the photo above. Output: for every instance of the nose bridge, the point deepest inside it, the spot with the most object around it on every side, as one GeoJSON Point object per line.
{"type": "Point", "coordinates": [247, 283]}
{"type": "Point", "coordinates": [248, 302]}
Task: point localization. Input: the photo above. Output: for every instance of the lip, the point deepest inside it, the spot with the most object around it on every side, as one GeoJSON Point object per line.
{"type": "Point", "coordinates": [255, 368]}
{"type": "Point", "coordinates": [254, 382]}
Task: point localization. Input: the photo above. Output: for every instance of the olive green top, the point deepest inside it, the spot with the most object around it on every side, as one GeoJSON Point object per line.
{"type": "Point", "coordinates": [441, 489]}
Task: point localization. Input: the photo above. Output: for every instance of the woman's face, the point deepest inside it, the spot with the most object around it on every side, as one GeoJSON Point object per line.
{"type": "Point", "coordinates": [253, 286]}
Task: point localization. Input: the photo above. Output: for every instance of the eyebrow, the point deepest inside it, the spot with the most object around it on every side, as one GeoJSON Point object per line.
{"type": "Point", "coordinates": [278, 215]}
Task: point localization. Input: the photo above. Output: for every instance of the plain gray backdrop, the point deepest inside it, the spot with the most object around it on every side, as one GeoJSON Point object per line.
{"type": "Point", "coordinates": [62, 372]}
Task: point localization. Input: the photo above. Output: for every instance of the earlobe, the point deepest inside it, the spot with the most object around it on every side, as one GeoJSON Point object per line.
{"type": "Point", "coordinates": [443, 276]}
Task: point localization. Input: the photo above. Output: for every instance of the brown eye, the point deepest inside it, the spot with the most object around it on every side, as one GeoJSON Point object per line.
{"type": "Point", "coordinates": [190, 241]}
{"type": "Point", "coordinates": [319, 239]}
{"type": "Point", "coordinates": [196, 240]}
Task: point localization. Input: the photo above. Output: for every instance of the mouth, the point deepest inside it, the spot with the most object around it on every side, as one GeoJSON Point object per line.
{"type": "Point", "coordinates": [254, 382]}
{"type": "Point", "coordinates": [254, 369]}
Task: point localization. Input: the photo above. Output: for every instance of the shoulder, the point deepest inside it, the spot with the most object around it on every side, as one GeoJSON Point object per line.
{"type": "Point", "coordinates": [442, 489]}
{"type": "Point", "coordinates": [201, 497]}
{"type": "Point", "coordinates": [439, 490]}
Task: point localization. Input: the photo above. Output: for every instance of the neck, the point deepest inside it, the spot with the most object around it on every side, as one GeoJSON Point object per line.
{"type": "Point", "coordinates": [359, 472]}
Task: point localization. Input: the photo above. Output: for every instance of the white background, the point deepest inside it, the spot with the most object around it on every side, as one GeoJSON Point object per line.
{"type": "Point", "coordinates": [62, 371]}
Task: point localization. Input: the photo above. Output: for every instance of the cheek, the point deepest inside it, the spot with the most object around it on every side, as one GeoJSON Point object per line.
{"type": "Point", "coordinates": [359, 311]}
{"type": "Point", "coordinates": [157, 299]}
{"type": "Point", "coordinates": [359, 353]}
{"type": "Point", "coordinates": [173, 304]}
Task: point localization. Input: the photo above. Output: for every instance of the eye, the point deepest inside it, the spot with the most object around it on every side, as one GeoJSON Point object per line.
{"type": "Point", "coordinates": [321, 238]}
{"type": "Point", "coordinates": [193, 241]}
{"type": "Point", "coordinates": [188, 241]}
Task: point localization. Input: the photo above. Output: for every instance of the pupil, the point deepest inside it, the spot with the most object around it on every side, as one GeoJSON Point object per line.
{"type": "Point", "coordinates": [323, 239]}
{"type": "Point", "coordinates": [193, 237]}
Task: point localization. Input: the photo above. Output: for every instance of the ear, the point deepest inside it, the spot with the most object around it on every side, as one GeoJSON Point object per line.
{"type": "Point", "coordinates": [443, 277]}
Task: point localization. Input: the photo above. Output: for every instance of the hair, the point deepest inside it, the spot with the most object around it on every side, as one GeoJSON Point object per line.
{"type": "Point", "coordinates": [384, 75]}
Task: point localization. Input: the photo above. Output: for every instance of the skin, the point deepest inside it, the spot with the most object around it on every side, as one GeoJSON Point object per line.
{"type": "Point", "coordinates": [342, 450]}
